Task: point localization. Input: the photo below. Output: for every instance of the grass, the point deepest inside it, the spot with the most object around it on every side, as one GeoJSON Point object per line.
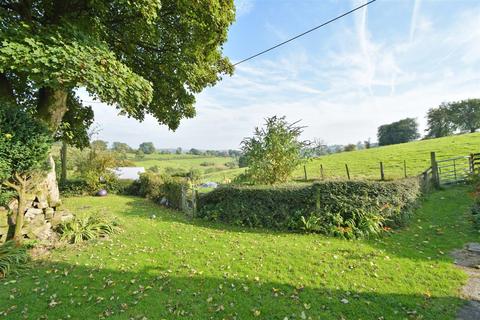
{"type": "Point", "coordinates": [365, 163]}
{"type": "Point", "coordinates": [187, 162]}
{"type": "Point", "coordinates": [174, 268]}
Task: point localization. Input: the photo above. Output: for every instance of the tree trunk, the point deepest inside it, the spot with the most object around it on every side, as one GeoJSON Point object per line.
{"type": "Point", "coordinates": [63, 158]}
{"type": "Point", "coordinates": [52, 105]}
{"type": "Point", "coordinates": [17, 236]}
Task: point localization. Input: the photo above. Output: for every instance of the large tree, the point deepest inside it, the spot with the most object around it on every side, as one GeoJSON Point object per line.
{"type": "Point", "coordinates": [466, 114]}
{"type": "Point", "coordinates": [143, 57]}
{"type": "Point", "coordinates": [440, 121]}
{"type": "Point", "coordinates": [401, 131]}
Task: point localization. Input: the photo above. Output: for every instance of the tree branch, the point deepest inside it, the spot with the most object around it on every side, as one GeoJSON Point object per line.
{"type": "Point", "coordinates": [11, 185]}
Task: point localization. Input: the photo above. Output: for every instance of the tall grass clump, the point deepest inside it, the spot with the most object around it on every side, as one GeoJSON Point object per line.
{"type": "Point", "coordinates": [88, 226]}
{"type": "Point", "coordinates": [13, 258]}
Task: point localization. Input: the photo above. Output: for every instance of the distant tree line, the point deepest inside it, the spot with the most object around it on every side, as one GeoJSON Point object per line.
{"type": "Point", "coordinates": [447, 119]}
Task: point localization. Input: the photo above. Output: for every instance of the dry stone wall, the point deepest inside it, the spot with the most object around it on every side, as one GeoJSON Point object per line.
{"type": "Point", "coordinates": [43, 213]}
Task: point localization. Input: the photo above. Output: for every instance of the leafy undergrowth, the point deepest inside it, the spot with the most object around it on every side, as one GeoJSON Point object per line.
{"type": "Point", "coordinates": [173, 268]}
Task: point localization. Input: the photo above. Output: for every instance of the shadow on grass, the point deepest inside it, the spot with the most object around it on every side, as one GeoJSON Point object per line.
{"type": "Point", "coordinates": [439, 225]}
{"type": "Point", "coordinates": [60, 291]}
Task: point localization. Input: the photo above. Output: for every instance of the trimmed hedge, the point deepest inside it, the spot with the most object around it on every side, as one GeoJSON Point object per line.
{"type": "Point", "coordinates": [344, 205]}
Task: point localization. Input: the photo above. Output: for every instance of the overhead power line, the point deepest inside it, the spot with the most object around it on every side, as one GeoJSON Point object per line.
{"type": "Point", "coordinates": [306, 32]}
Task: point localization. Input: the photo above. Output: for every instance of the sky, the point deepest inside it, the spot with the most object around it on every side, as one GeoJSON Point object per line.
{"type": "Point", "coordinates": [391, 60]}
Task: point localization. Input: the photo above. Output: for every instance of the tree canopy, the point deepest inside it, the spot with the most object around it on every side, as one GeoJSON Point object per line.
{"type": "Point", "coordinates": [147, 147]}
{"type": "Point", "coordinates": [440, 121]}
{"type": "Point", "coordinates": [466, 114]}
{"type": "Point", "coordinates": [144, 57]}
{"type": "Point", "coordinates": [450, 117]}
{"type": "Point", "coordinates": [401, 131]}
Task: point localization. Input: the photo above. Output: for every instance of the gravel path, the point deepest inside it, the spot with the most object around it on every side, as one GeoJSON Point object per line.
{"type": "Point", "coordinates": [468, 259]}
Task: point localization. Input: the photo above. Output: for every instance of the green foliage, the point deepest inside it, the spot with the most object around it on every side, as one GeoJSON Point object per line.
{"type": "Point", "coordinates": [5, 196]}
{"type": "Point", "coordinates": [465, 114]}
{"type": "Point", "coordinates": [350, 147]}
{"type": "Point", "coordinates": [141, 56]}
{"type": "Point", "coordinates": [24, 143]}
{"type": "Point", "coordinates": [159, 188]}
{"type": "Point", "coordinates": [401, 131]}
{"type": "Point", "coordinates": [95, 169]}
{"type": "Point", "coordinates": [195, 152]}
{"type": "Point", "coordinates": [121, 147]}
{"type": "Point", "coordinates": [88, 226]}
{"type": "Point", "coordinates": [99, 145]}
{"type": "Point", "coordinates": [273, 152]}
{"type": "Point", "coordinates": [147, 147]}
{"type": "Point", "coordinates": [440, 122]}
{"type": "Point", "coordinates": [13, 258]}
{"type": "Point", "coordinates": [74, 187]}
{"type": "Point", "coordinates": [349, 209]}
{"type": "Point", "coordinates": [76, 122]}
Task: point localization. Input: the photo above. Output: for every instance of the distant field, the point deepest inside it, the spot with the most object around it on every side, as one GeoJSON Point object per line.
{"type": "Point", "coordinates": [365, 163]}
{"type": "Point", "coordinates": [187, 162]}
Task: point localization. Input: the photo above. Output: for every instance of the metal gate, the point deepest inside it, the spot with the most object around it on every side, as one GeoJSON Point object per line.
{"type": "Point", "coordinates": [454, 170]}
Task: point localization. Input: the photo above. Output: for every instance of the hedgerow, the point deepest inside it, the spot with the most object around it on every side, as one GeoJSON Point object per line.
{"type": "Point", "coordinates": [349, 209]}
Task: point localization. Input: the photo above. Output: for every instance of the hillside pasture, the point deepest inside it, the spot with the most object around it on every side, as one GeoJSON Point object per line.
{"type": "Point", "coordinates": [365, 163]}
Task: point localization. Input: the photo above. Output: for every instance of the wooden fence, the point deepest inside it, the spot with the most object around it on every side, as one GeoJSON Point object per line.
{"type": "Point", "coordinates": [441, 171]}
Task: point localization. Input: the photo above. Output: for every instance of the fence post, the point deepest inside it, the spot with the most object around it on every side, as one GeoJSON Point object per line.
{"type": "Point", "coordinates": [194, 202]}
{"type": "Point", "coordinates": [405, 168]}
{"type": "Point", "coordinates": [321, 172]}
{"type": "Point", "coordinates": [305, 172]}
{"type": "Point", "coordinates": [472, 163]}
{"type": "Point", "coordinates": [184, 200]}
{"type": "Point", "coordinates": [435, 176]}
{"type": "Point", "coordinates": [382, 174]}
{"type": "Point", "coordinates": [348, 172]}
{"type": "Point", "coordinates": [454, 171]}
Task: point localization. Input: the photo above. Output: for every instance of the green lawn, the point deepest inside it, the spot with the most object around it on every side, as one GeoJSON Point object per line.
{"type": "Point", "coordinates": [171, 267]}
{"type": "Point", "coordinates": [365, 163]}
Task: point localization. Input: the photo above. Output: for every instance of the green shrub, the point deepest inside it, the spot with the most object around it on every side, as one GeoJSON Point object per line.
{"type": "Point", "coordinates": [158, 188]}
{"type": "Point", "coordinates": [87, 226]}
{"type": "Point", "coordinates": [74, 187]}
{"type": "Point", "coordinates": [80, 187]}
{"type": "Point", "coordinates": [13, 258]}
{"type": "Point", "coordinates": [344, 208]}
{"type": "Point", "coordinates": [207, 164]}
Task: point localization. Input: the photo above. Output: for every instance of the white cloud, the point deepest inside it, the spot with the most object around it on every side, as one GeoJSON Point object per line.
{"type": "Point", "coordinates": [342, 95]}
